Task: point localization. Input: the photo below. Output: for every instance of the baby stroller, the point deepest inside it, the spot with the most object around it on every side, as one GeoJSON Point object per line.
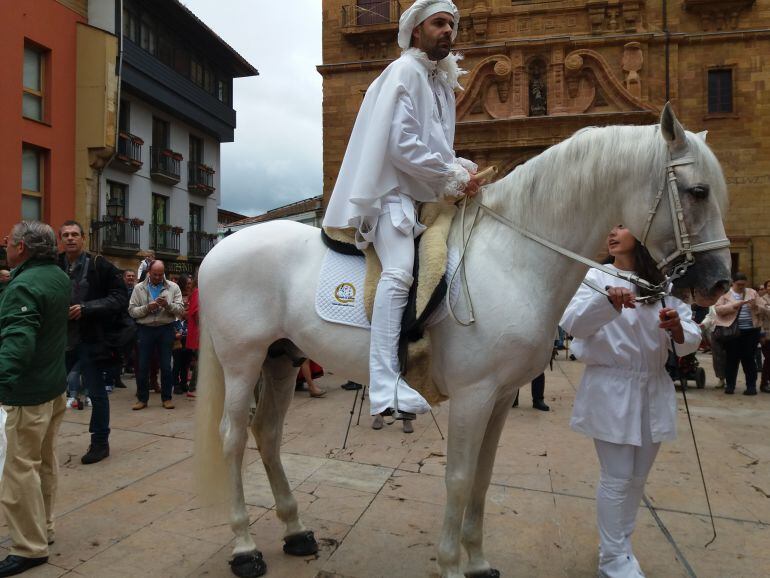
{"type": "Point", "coordinates": [683, 369]}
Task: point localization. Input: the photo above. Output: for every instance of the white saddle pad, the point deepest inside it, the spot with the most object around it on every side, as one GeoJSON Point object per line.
{"type": "Point", "coordinates": [339, 297]}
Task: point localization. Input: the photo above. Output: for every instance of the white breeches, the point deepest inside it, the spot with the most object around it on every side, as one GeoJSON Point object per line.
{"type": "Point", "coordinates": [386, 389]}
{"type": "Point", "coordinates": [624, 470]}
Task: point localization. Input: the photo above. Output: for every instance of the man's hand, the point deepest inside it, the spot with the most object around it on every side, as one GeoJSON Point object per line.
{"type": "Point", "coordinates": [153, 306]}
{"type": "Point", "coordinates": [75, 312]}
{"type": "Point", "coordinates": [161, 301]}
{"type": "Point", "coordinates": [473, 186]}
{"type": "Point", "coordinates": [669, 320]}
{"type": "Point", "coordinates": [621, 297]}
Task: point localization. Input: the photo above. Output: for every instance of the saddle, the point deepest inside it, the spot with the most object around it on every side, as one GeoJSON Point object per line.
{"type": "Point", "coordinates": [427, 292]}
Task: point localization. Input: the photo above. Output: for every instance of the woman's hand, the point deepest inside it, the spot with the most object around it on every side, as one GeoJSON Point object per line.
{"type": "Point", "coordinates": [621, 297]}
{"type": "Point", "coordinates": [669, 320]}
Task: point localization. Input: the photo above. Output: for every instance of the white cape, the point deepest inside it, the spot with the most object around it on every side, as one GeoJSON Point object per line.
{"type": "Point", "coordinates": [401, 141]}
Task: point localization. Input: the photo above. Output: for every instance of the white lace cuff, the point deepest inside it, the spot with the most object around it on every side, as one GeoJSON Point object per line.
{"type": "Point", "coordinates": [456, 180]}
{"type": "Point", "coordinates": [469, 166]}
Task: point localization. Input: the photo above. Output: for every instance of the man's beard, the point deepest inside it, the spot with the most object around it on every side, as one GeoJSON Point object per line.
{"type": "Point", "coordinates": [440, 49]}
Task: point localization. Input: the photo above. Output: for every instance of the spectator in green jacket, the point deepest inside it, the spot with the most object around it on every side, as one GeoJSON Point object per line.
{"type": "Point", "coordinates": [33, 337]}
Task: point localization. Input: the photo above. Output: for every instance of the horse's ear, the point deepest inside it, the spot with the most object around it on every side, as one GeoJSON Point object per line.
{"type": "Point", "coordinates": [672, 130]}
{"type": "Point", "coordinates": [702, 135]}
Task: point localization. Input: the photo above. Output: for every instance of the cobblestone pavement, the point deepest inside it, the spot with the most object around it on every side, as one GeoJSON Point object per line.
{"type": "Point", "coordinates": [377, 506]}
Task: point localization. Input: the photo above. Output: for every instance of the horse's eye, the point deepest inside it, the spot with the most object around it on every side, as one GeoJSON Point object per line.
{"type": "Point", "coordinates": [699, 191]}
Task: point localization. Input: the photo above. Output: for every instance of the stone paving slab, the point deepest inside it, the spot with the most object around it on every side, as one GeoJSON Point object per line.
{"type": "Point", "coordinates": [377, 506]}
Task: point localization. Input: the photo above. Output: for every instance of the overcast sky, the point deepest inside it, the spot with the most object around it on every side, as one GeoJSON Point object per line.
{"type": "Point", "coordinates": [276, 158]}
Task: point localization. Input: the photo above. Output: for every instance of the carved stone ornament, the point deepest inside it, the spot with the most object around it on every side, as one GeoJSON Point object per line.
{"type": "Point", "coordinates": [478, 94]}
{"type": "Point", "coordinates": [718, 14]}
{"type": "Point", "coordinates": [633, 59]}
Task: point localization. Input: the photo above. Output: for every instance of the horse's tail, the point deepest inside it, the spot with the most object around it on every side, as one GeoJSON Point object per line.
{"type": "Point", "coordinates": [211, 474]}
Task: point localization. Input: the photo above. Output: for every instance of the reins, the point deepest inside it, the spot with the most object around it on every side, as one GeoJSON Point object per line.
{"type": "Point", "coordinates": [678, 262]}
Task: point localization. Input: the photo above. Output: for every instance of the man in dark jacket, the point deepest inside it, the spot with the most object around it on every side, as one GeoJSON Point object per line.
{"type": "Point", "coordinates": [33, 336]}
{"type": "Point", "coordinates": [98, 301]}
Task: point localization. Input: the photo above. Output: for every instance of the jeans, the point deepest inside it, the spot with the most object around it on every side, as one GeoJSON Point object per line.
{"type": "Point", "coordinates": [93, 380]}
{"type": "Point", "coordinates": [73, 380]}
{"type": "Point", "coordinates": [149, 339]}
{"type": "Point", "coordinates": [182, 360]}
{"type": "Point", "coordinates": [741, 351]}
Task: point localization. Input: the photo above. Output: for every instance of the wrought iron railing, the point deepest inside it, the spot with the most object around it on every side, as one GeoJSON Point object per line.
{"type": "Point", "coordinates": [165, 238]}
{"type": "Point", "coordinates": [130, 148]}
{"type": "Point", "coordinates": [116, 233]}
{"type": "Point", "coordinates": [200, 178]}
{"type": "Point", "coordinates": [165, 163]}
{"type": "Point", "coordinates": [199, 243]}
{"type": "Point", "coordinates": [369, 13]}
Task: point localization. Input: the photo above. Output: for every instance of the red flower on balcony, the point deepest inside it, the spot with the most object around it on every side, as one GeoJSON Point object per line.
{"type": "Point", "coordinates": [177, 230]}
{"type": "Point", "coordinates": [136, 222]}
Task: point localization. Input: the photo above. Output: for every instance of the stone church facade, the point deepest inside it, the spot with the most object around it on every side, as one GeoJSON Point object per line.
{"type": "Point", "coordinates": [539, 71]}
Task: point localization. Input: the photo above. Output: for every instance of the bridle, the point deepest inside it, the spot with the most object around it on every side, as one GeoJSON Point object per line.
{"type": "Point", "coordinates": [673, 266]}
{"type": "Point", "coordinates": [676, 264]}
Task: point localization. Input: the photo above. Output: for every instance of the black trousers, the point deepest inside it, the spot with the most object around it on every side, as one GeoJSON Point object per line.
{"type": "Point", "coordinates": [742, 351]}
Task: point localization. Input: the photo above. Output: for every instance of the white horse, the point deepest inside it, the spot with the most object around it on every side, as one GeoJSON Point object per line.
{"type": "Point", "coordinates": [257, 292]}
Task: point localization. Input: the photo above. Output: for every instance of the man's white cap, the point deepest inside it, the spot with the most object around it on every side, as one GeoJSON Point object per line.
{"type": "Point", "coordinates": [421, 11]}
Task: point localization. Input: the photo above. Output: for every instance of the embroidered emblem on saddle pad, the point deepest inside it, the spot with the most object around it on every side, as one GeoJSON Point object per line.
{"type": "Point", "coordinates": [348, 282]}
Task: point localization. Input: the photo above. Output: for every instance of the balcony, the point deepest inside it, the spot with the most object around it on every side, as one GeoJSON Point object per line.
{"type": "Point", "coordinates": [200, 178]}
{"type": "Point", "coordinates": [116, 235]}
{"type": "Point", "coordinates": [165, 165]}
{"type": "Point", "coordinates": [129, 156]}
{"type": "Point", "coordinates": [164, 239]}
{"type": "Point", "coordinates": [199, 244]}
{"type": "Point", "coordinates": [366, 17]}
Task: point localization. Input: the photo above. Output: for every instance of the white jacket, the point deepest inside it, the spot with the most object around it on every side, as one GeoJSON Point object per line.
{"type": "Point", "coordinates": [401, 147]}
{"type": "Point", "coordinates": [624, 353]}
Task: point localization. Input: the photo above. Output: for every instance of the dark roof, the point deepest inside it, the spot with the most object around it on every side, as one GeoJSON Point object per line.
{"type": "Point", "coordinates": [179, 15]}
{"type": "Point", "coordinates": [303, 206]}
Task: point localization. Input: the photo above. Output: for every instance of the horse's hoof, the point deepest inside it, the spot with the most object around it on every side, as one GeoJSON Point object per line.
{"type": "Point", "coordinates": [490, 573]}
{"type": "Point", "coordinates": [303, 544]}
{"type": "Point", "coordinates": [248, 565]}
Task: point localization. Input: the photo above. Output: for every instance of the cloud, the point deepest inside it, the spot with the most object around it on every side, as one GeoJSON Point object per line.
{"type": "Point", "coordinates": [277, 156]}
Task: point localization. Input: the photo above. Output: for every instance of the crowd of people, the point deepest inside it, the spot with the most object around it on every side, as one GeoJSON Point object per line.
{"type": "Point", "coordinates": [72, 321]}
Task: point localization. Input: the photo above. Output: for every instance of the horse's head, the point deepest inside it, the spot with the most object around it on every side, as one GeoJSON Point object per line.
{"type": "Point", "coordinates": [702, 194]}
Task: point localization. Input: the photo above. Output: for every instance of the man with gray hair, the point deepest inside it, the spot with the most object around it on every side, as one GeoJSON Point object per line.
{"type": "Point", "coordinates": [33, 337]}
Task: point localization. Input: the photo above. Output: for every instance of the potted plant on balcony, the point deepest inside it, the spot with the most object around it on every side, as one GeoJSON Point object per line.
{"type": "Point", "coordinates": [177, 157]}
{"type": "Point", "coordinates": [177, 230]}
{"type": "Point", "coordinates": [136, 222]}
{"type": "Point", "coordinates": [164, 227]}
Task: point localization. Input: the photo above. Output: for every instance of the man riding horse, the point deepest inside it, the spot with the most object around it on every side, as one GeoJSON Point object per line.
{"type": "Point", "coordinates": [401, 154]}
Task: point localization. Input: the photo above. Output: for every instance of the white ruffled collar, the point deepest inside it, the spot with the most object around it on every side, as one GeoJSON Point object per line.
{"type": "Point", "coordinates": [448, 68]}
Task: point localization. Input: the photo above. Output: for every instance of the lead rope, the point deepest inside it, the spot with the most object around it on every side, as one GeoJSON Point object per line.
{"type": "Point", "coordinates": [697, 452]}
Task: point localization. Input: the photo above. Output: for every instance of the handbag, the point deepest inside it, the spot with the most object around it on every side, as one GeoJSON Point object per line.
{"type": "Point", "coordinates": [728, 333]}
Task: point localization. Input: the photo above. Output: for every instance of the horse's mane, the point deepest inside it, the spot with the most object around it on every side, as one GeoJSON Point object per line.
{"type": "Point", "coordinates": [586, 162]}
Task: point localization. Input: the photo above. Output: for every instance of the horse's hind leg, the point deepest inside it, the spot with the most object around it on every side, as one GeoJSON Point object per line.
{"type": "Point", "coordinates": [473, 522]}
{"type": "Point", "coordinates": [279, 379]}
{"type": "Point", "coordinates": [239, 386]}
{"type": "Point", "coordinates": [469, 413]}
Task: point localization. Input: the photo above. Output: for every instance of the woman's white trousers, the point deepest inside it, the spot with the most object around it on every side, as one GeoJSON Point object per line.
{"type": "Point", "coordinates": [624, 470]}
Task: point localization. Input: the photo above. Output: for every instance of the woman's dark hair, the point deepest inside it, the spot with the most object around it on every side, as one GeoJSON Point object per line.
{"type": "Point", "coordinates": [644, 266]}
{"type": "Point", "coordinates": [183, 281]}
{"type": "Point", "coordinates": [740, 277]}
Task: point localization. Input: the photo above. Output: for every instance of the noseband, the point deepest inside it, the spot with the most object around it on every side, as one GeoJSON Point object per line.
{"type": "Point", "coordinates": [676, 264]}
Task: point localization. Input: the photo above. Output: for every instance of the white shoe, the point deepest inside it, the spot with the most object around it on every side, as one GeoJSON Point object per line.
{"type": "Point", "coordinates": [72, 402]}
{"type": "Point", "coordinates": [88, 402]}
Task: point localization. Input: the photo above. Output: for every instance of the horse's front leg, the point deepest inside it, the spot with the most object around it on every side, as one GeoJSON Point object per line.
{"type": "Point", "coordinates": [277, 391]}
{"type": "Point", "coordinates": [469, 414]}
{"type": "Point", "coordinates": [473, 522]}
{"type": "Point", "coordinates": [247, 560]}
